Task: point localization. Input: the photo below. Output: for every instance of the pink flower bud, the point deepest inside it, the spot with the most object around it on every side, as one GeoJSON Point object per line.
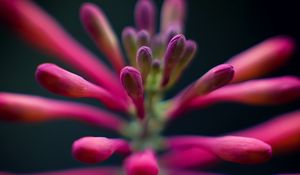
{"type": "Point", "coordinates": [95, 22]}
{"type": "Point", "coordinates": [231, 148]}
{"type": "Point", "coordinates": [25, 108]}
{"type": "Point", "coordinates": [173, 13]}
{"type": "Point", "coordinates": [172, 55]}
{"type": "Point", "coordinates": [145, 14]}
{"type": "Point", "coordinates": [255, 92]}
{"type": "Point", "coordinates": [41, 30]}
{"type": "Point", "coordinates": [129, 38]}
{"type": "Point", "coordinates": [78, 171]}
{"type": "Point", "coordinates": [184, 61]}
{"type": "Point", "coordinates": [142, 163]}
{"type": "Point", "coordinates": [132, 82]}
{"type": "Point", "coordinates": [62, 82]}
{"type": "Point", "coordinates": [262, 58]}
{"type": "Point", "coordinates": [282, 133]}
{"type": "Point", "coordinates": [97, 149]}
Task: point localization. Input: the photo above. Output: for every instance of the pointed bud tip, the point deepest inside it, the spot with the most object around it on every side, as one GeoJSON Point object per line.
{"type": "Point", "coordinates": [222, 74]}
{"type": "Point", "coordinates": [60, 81]}
{"type": "Point", "coordinates": [93, 149]}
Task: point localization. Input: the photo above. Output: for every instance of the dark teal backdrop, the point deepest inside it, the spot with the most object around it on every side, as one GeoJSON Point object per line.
{"type": "Point", "coordinates": [221, 28]}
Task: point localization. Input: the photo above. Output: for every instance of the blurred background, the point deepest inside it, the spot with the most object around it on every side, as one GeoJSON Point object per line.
{"type": "Point", "coordinates": [221, 29]}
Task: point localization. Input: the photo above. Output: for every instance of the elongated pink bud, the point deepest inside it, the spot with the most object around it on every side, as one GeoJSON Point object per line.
{"type": "Point", "coordinates": [98, 149]}
{"type": "Point", "coordinates": [62, 82]}
{"type": "Point", "coordinates": [142, 163]}
{"type": "Point", "coordinates": [77, 171]}
{"type": "Point", "coordinates": [96, 23]}
{"type": "Point", "coordinates": [255, 92]}
{"type": "Point", "coordinates": [231, 148]}
{"type": "Point", "coordinates": [40, 29]}
{"type": "Point", "coordinates": [262, 58]}
{"type": "Point", "coordinates": [173, 13]}
{"type": "Point", "coordinates": [213, 79]}
{"type": "Point", "coordinates": [129, 38]}
{"type": "Point", "coordinates": [282, 133]}
{"type": "Point", "coordinates": [145, 14]}
{"type": "Point", "coordinates": [132, 82]}
{"type": "Point", "coordinates": [26, 108]}
{"type": "Point", "coordinates": [172, 55]}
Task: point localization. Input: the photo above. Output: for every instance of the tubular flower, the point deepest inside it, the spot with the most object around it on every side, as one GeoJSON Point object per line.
{"type": "Point", "coordinates": [157, 61]}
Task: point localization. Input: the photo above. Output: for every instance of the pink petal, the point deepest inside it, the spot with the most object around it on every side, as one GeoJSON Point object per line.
{"type": "Point", "coordinates": [26, 108]}
{"type": "Point", "coordinates": [62, 82]}
{"type": "Point", "coordinates": [96, 23]}
{"type": "Point", "coordinates": [40, 29]}
{"type": "Point", "coordinates": [98, 149]}
{"type": "Point", "coordinates": [262, 58]}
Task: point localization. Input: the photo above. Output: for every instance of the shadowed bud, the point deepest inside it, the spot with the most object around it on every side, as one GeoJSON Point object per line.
{"type": "Point", "coordinates": [143, 38]}
{"type": "Point", "coordinates": [172, 31]}
{"type": "Point", "coordinates": [142, 163]}
{"type": "Point", "coordinates": [231, 148]}
{"type": "Point", "coordinates": [144, 61]}
{"type": "Point", "coordinates": [173, 13]}
{"type": "Point", "coordinates": [98, 149]}
{"type": "Point", "coordinates": [184, 61]}
{"type": "Point", "coordinates": [26, 108]}
{"type": "Point", "coordinates": [158, 46]}
{"type": "Point", "coordinates": [62, 82]}
{"type": "Point", "coordinates": [132, 82]}
{"type": "Point", "coordinates": [129, 38]}
{"type": "Point", "coordinates": [145, 14]}
{"type": "Point", "coordinates": [172, 55]}
{"type": "Point", "coordinates": [255, 92]}
{"type": "Point", "coordinates": [97, 25]}
{"type": "Point", "coordinates": [264, 57]}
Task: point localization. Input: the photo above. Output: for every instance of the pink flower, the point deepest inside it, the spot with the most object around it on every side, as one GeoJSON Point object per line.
{"type": "Point", "coordinates": [157, 62]}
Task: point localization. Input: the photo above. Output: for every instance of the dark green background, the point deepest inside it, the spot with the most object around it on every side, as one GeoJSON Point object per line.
{"type": "Point", "coordinates": [221, 28]}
